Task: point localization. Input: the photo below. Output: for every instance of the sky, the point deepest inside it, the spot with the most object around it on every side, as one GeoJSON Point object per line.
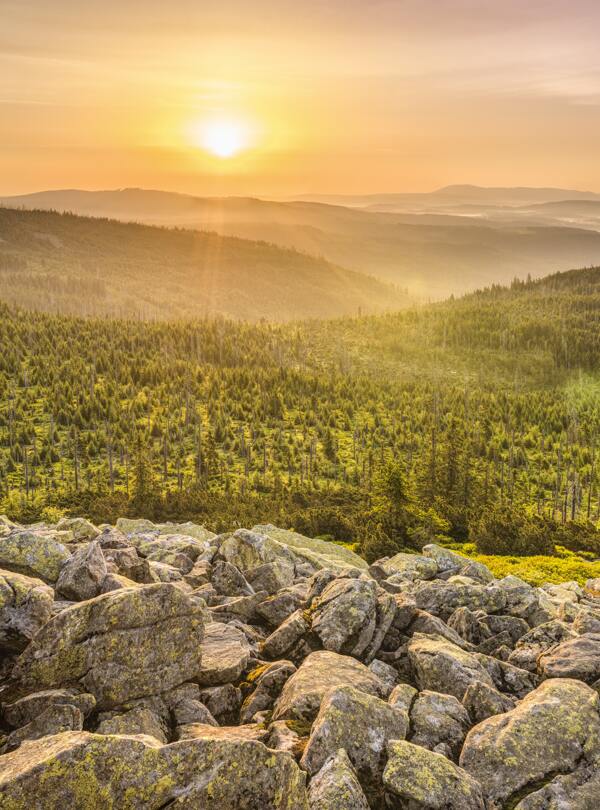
{"type": "Point", "coordinates": [309, 96]}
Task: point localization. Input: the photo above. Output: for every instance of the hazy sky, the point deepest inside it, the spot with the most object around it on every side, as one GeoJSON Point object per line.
{"type": "Point", "coordinates": [325, 95]}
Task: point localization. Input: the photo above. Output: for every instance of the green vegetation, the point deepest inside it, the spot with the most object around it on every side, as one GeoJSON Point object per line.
{"type": "Point", "coordinates": [477, 417]}
{"type": "Point", "coordinates": [561, 566]}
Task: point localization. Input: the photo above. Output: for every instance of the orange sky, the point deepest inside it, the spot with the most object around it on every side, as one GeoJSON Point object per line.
{"type": "Point", "coordinates": [333, 95]}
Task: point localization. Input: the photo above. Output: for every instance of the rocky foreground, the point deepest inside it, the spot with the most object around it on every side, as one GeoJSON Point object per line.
{"type": "Point", "coordinates": [161, 666]}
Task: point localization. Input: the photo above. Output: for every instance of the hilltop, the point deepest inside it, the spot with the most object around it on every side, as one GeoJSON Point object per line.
{"type": "Point", "coordinates": [99, 267]}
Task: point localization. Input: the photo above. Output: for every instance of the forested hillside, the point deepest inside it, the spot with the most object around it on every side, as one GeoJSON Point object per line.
{"type": "Point", "coordinates": [415, 423]}
{"type": "Point", "coordinates": [73, 265]}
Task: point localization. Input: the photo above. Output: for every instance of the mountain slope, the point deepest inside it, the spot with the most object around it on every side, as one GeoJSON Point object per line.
{"type": "Point", "coordinates": [473, 240]}
{"type": "Point", "coordinates": [243, 421]}
{"type": "Point", "coordinates": [71, 264]}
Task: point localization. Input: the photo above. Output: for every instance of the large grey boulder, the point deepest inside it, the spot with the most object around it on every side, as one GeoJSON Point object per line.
{"type": "Point", "coordinates": [537, 641]}
{"type": "Point", "coordinates": [575, 658]}
{"type": "Point", "coordinates": [482, 701]}
{"type": "Point", "coordinates": [443, 598]}
{"type": "Point", "coordinates": [81, 577]}
{"type": "Point", "coordinates": [440, 666]}
{"type": "Point", "coordinates": [225, 653]}
{"type": "Point", "coordinates": [555, 729]}
{"type": "Point", "coordinates": [80, 770]}
{"type": "Point", "coordinates": [438, 720]}
{"type": "Point", "coordinates": [361, 724]}
{"type": "Point", "coordinates": [314, 553]}
{"type": "Point", "coordinates": [120, 645]}
{"type": "Point", "coordinates": [409, 566]}
{"type": "Point", "coordinates": [320, 672]}
{"type": "Point", "coordinates": [140, 719]}
{"type": "Point", "coordinates": [34, 552]}
{"type": "Point", "coordinates": [81, 529]}
{"type": "Point", "coordinates": [25, 709]}
{"type": "Point", "coordinates": [345, 615]}
{"type": "Point", "coordinates": [418, 779]}
{"type": "Point", "coordinates": [25, 607]}
{"type": "Point", "coordinates": [52, 720]}
{"type": "Point", "coordinates": [336, 786]}
{"type": "Point", "coordinates": [268, 681]}
{"type": "Point", "coordinates": [248, 549]}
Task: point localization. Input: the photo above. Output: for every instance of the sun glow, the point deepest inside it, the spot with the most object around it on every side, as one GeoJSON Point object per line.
{"type": "Point", "coordinates": [223, 138]}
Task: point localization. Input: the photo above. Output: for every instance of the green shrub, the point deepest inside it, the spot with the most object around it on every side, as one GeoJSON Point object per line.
{"type": "Point", "coordinates": [506, 531]}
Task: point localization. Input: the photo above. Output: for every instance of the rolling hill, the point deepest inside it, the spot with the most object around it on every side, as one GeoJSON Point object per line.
{"type": "Point", "coordinates": [71, 264]}
{"type": "Point", "coordinates": [448, 242]}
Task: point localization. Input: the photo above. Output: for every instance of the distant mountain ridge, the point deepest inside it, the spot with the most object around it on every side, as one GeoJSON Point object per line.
{"type": "Point", "coordinates": [91, 266]}
{"type": "Point", "coordinates": [458, 194]}
{"type": "Point", "coordinates": [433, 245]}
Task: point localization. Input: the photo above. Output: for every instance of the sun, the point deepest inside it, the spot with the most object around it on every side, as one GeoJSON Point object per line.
{"type": "Point", "coordinates": [223, 138]}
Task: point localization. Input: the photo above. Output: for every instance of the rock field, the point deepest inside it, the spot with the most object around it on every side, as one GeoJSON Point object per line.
{"type": "Point", "coordinates": [162, 666]}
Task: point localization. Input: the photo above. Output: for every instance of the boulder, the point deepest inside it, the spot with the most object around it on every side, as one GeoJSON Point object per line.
{"type": "Point", "coordinates": [80, 528]}
{"type": "Point", "coordinates": [345, 615]}
{"type": "Point", "coordinates": [410, 566]}
{"type": "Point", "coordinates": [317, 553]}
{"type": "Point", "coordinates": [81, 770]}
{"type": "Point", "coordinates": [508, 678]}
{"type": "Point", "coordinates": [26, 709]}
{"type": "Point", "coordinates": [225, 653]}
{"type": "Point", "coordinates": [429, 625]}
{"type": "Point", "coordinates": [403, 696]}
{"type": "Point", "coordinates": [287, 636]}
{"type": "Point", "coordinates": [442, 598]}
{"type": "Point", "coordinates": [53, 720]}
{"type": "Point", "coordinates": [541, 638]}
{"type": "Point", "coordinates": [229, 580]}
{"type": "Point", "coordinates": [447, 561]}
{"type": "Point", "coordinates": [554, 729]}
{"type": "Point", "coordinates": [160, 548]}
{"type": "Point", "coordinates": [38, 554]}
{"type": "Point", "coordinates": [418, 779]}
{"type": "Point", "coordinates": [336, 786]}
{"type": "Point", "coordinates": [241, 608]}
{"type": "Point", "coordinates": [81, 577]}
{"type": "Point", "coordinates": [322, 671]}
{"type": "Point", "coordinates": [523, 601]}
{"type": "Point", "coordinates": [575, 658]}
{"type": "Point", "coordinates": [482, 701]}
{"type": "Point", "coordinates": [174, 559]}
{"type": "Point", "coordinates": [586, 621]}
{"type": "Point", "coordinates": [249, 549]}
{"type": "Point", "coordinates": [271, 577]}
{"type": "Point", "coordinates": [120, 645]}
{"type": "Point", "coordinates": [198, 731]}
{"type": "Point", "coordinates": [361, 724]}
{"type": "Point", "coordinates": [223, 702]}
{"type": "Point", "coordinates": [138, 720]}
{"type": "Point", "coordinates": [440, 666]}
{"type": "Point", "coordinates": [438, 719]}
{"type": "Point", "coordinates": [575, 791]}
{"type": "Point", "coordinates": [276, 609]}
{"type": "Point", "coordinates": [592, 587]}
{"type": "Point", "coordinates": [25, 607]}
